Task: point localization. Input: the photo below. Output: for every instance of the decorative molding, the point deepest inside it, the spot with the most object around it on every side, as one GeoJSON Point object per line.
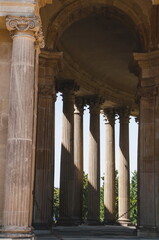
{"type": "Point", "coordinates": [124, 114]}
{"type": "Point", "coordinates": [148, 92]}
{"type": "Point", "coordinates": [46, 90]}
{"type": "Point", "coordinates": [94, 102]}
{"type": "Point", "coordinates": [67, 86]}
{"type": "Point", "coordinates": [109, 115]}
{"type": "Point", "coordinates": [148, 64]}
{"type": "Point", "coordinates": [78, 10]}
{"type": "Point", "coordinates": [26, 24]}
{"type": "Point", "coordinates": [79, 105]}
{"type": "Point", "coordinates": [54, 59]}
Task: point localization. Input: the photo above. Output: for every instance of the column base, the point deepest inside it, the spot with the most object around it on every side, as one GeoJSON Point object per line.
{"type": "Point", "coordinates": [12, 232]}
{"type": "Point", "coordinates": [110, 222]}
{"type": "Point", "coordinates": [148, 231]}
{"type": "Point", "coordinates": [42, 226]}
{"type": "Point", "coordinates": [125, 222]}
{"type": "Point", "coordinates": [67, 222]}
{"type": "Point", "coordinates": [94, 222]}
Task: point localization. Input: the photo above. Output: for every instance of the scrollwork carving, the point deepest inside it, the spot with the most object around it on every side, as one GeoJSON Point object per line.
{"type": "Point", "coordinates": [26, 24]}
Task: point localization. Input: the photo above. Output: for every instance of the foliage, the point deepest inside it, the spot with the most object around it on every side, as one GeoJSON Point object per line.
{"type": "Point", "coordinates": [133, 198]}
{"type": "Point", "coordinates": [56, 204]}
{"type": "Point", "coordinates": [116, 193]}
{"type": "Point", "coordinates": [102, 200]}
{"type": "Point", "coordinates": [85, 197]}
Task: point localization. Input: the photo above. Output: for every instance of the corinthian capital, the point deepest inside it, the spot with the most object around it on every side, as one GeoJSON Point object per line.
{"type": "Point", "coordinates": [26, 24]}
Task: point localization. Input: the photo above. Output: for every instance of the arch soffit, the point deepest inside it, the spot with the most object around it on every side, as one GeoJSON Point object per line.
{"type": "Point", "coordinates": [85, 8]}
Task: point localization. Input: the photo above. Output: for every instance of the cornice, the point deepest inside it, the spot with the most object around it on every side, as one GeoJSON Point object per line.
{"type": "Point", "coordinates": [148, 63]}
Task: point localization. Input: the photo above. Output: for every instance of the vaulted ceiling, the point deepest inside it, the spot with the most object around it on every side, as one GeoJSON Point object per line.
{"type": "Point", "coordinates": [98, 39]}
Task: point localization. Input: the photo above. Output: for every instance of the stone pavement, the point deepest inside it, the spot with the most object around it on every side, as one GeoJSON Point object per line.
{"type": "Point", "coordinates": [91, 233]}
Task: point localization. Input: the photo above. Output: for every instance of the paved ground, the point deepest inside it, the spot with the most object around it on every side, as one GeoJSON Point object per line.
{"type": "Point", "coordinates": [91, 238]}
{"type": "Point", "coordinates": [91, 233]}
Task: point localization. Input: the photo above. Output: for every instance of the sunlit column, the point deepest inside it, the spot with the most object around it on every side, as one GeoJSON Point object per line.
{"type": "Point", "coordinates": [124, 170]}
{"type": "Point", "coordinates": [94, 162]}
{"type": "Point", "coordinates": [78, 158]}
{"type": "Point", "coordinates": [67, 174]}
{"type": "Point", "coordinates": [109, 178]}
{"type": "Point", "coordinates": [18, 180]}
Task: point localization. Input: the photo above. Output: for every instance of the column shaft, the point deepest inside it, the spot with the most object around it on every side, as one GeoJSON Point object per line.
{"type": "Point", "coordinates": [78, 159]}
{"type": "Point", "coordinates": [94, 164]}
{"type": "Point", "coordinates": [20, 128]}
{"type": "Point", "coordinates": [44, 177]}
{"type": "Point", "coordinates": [124, 171]}
{"type": "Point", "coordinates": [109, 179]}
{"type": "Point", "coordinates": [67, 184]}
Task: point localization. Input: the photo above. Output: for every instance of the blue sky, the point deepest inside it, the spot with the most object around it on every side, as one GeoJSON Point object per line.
{"type": "Point", "coordinates": [133, 129]}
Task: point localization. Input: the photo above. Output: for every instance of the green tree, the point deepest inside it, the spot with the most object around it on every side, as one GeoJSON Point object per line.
{"type": "Point", "coordinates": [133, 198]}
{"type": "Point", "coordinates": [116, 193]}
{"type": "Point", "coordinates": [102, 200]}
{"type": "Point", "coordinates": [56, 204]}
{"type": "Point", "coordinates": [85, 197]}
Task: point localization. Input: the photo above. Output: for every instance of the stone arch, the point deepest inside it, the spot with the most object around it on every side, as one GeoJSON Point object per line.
{"type": "Point", "coordinates": [85, 8]}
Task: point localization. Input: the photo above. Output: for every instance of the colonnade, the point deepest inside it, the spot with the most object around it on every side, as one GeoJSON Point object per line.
{"type": "Point", "coordinates": [71, 173]}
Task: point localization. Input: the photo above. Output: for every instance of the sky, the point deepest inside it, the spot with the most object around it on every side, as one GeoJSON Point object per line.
{"type": "Point", "coordinates": [133, 139]}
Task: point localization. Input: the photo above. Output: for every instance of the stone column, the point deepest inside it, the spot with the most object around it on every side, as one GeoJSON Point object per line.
{"type": "Point", "coordinates": [78, 158]}
{"type": "Point", "coordinates": [50, 64]}
{"type": "Point", "coordinates": [94, 162]}
{"type": "Point", "coordinates": [148, 175]}
{"type": "Point", "coordinates": [124, 170]}
{"type": "Point", "coordinates": [109, 178]}
{"type": "Point", "coordinates": [18, 180]}
{"type": "Point", "coordinates": [67, 174]}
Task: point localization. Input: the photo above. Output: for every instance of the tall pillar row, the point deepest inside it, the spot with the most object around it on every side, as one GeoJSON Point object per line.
{"type": "Point", "coordinates": [18, 179]}
{"type": "Point", "coordinates": [50, 64]}
{"type": "Point", "coordinates": [67, 174]}
{"type": "Point", "coordinates": [109, 176]}
{"type": "Point", "coordinates": [124, 169]}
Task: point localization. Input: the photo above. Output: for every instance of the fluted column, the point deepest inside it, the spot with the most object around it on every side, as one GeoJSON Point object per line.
{"type": "Point", "coordinates": [67, 184]}
{"type": "Point", "coordinates": [148, 166]}
{"type": "Point", "coordinates": [18, 180]}
{"type": "Point", "coordinates": [44, 175]}
{"type": "Point", "coordinates": [109, 178]}
{"type": "Point", "coordinates": [124, 170]}
{"type": "Point", "coordinates": [78, 158]}
{"type": "Point", "coordinates": [94, 162]}
{"type": "Point", "coordinates": [44, 168]}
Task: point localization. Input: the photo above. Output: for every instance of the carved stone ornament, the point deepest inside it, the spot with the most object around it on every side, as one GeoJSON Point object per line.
{"type": "Point", "coordinates": [25, 24]}
{"type": "Point", "coordinates": [46, 90]}
{"type": "Point", "coordinates": [79, 105]}
{"type": "Point", "coordinates": [124, 114]}
{"type": "Point", "coordinates": [109, 115]}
